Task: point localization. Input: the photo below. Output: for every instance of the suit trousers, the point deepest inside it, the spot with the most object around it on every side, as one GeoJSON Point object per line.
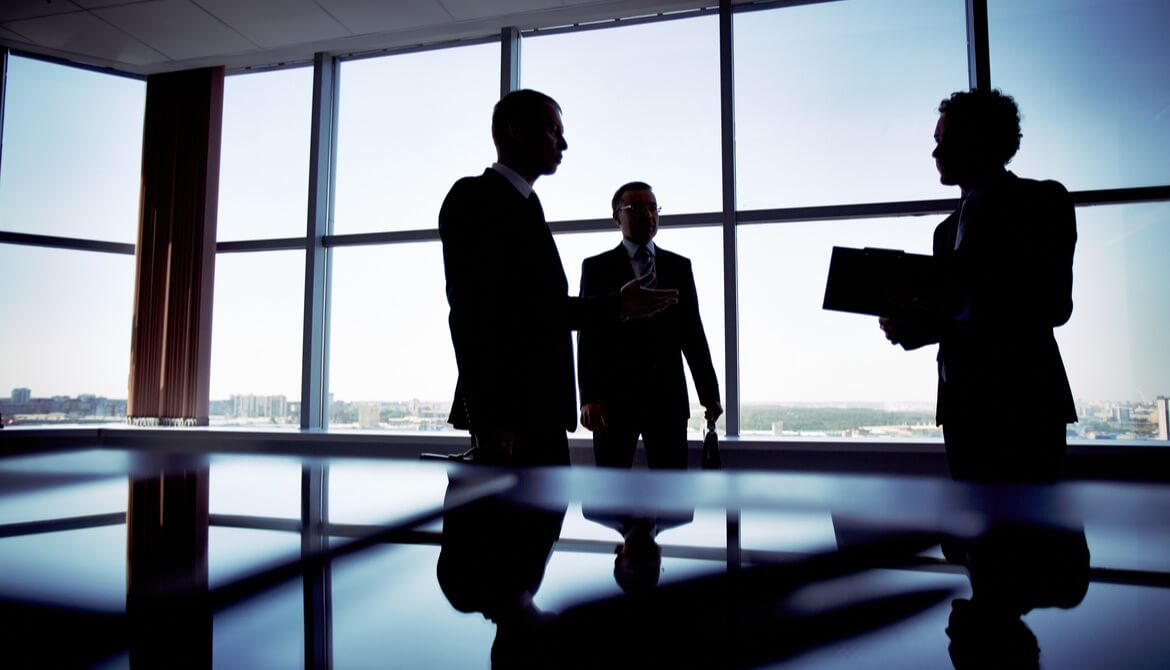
{"type": "Point", "coordinates": [1021, 453]}
{"type": "Point", "coordinates": [665, 441]}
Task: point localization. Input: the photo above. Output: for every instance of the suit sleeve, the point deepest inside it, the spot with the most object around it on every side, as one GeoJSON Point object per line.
{"type": "Point", "coordinates": [695, 346]}
{"type": "Point", "coordinates": [594, 340]}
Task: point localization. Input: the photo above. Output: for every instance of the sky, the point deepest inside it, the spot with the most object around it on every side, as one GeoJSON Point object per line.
{"type": "Point", "coordinates": [835, 104]}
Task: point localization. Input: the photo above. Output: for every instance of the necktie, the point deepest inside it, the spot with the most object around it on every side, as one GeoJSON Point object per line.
{"type": "Point", "coordinates": [646, 265]}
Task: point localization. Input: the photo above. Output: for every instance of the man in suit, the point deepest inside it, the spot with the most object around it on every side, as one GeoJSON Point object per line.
{"type": "Point", "coordinates": [510, 312]}
{"type": "Point", "coordinates": [1006, 256]}
{"type": "Point", "coordinates": [631, 373]}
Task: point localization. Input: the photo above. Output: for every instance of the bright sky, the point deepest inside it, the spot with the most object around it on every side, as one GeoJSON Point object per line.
{"type": "Point", "coordinates": [835, 103]}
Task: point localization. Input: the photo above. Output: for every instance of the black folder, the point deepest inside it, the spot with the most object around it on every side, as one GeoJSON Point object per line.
{"type": "Point", "coordinates": [882, 282]}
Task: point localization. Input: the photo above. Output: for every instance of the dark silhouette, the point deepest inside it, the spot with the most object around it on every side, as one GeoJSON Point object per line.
{"type": "Point", "coordinates": [511, 314]}
{"type": "Point", "coordinates": [637, 562]}
{"type": "Point", "coordinates": [1005, 258]}
{"type": "Point", "coordinates": [491, 561]}
{"type": "Point", "coordinates": [631, 373]}
{"type": "Point", "coordinates": [1014, 568]}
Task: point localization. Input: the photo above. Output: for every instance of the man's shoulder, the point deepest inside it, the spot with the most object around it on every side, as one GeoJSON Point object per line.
{"type": "Point", "coordinates": [606, 257]}
{"type": "Point", "coordinates": [665, 256]}
{"type": "Point", "coordinates": [1049, 188]}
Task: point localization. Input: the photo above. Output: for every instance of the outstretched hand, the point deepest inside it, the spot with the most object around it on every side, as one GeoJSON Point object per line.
{"type": "Point", "coordinates": [639, 301]}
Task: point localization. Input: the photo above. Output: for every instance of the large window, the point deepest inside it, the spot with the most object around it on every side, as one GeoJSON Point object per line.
{"type": "Point", "coordinates": [639, 103]}
{"type": "Point", "coordinates": [408, 127]}
{"type": "Point", "coordinates": [391, 365]}
{"type": "Point", "coordinates": [1091, 79]}
{"type": "Point", "coordinates": [836, 102]}
{"type": "Point", "coordinates": [264, 162]}
{"type": "Point", "coordinates": [72, 153]}
{"type": "Point", "coordinates": [256, 339]}
{"type": "Point", "coordinates": [834, 106]}
{"type": "Point", "coordinates": [805, 371]}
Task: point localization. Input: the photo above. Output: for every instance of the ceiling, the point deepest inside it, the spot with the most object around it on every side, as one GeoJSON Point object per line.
{"type": "Point", "coordinates": [152, 36]}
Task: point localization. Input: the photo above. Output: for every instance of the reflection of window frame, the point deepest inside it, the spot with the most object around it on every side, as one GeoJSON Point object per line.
{"type": "Point", "coordinates": [319, 239]}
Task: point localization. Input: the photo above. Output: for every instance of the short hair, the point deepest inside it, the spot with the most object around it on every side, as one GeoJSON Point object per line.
{"type": "Point", "coordinates": [629, 186]}
{"type": "Point", "coordinates": [523, 107]}
{"type": "Point", "coordinates": [993, 115]}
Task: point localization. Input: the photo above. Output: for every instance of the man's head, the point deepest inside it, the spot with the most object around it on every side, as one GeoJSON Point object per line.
{"type": "Point", "coordinates": [528, 133]}
{"type": "Point", "coordinates": [977, 133]}
{"type": "Point", "coordinates": [635, 210]}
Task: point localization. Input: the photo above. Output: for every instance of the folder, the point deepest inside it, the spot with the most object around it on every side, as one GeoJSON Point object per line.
{"type": "Point", "coordinates": [882, 282]}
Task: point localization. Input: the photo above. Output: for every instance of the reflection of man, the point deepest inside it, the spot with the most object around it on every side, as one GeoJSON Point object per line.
{"type": "Point", "coordinates": [1014, 568]}
{"type": "Point", "coordinates": [1007, 253]}
{"type": "Point", "coordinates": [638, 558]}
{"type": "Point", "coordinates": [631, 373]}
{"type": "Point", "coordinates": [511, 315]}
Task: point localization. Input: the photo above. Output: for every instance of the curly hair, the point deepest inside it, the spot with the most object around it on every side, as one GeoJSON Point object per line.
{"type": "Point", "coordinates": [993, 115]}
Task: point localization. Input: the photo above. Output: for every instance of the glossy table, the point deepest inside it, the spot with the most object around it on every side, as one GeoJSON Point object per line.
{"type": "Point", "coordinates": [112, 558]}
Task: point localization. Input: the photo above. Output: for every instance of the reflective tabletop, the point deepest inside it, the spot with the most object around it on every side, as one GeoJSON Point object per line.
{"type": "Point", "coordinates": [127, 558]}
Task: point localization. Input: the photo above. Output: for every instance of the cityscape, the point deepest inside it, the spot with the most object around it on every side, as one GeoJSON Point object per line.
{"type": "Point", "coordinates": [1098, 420]}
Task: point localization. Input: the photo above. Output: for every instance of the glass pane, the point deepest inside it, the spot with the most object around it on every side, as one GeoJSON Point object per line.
{"type": "Point", "coordinates": [72, 152]}
{"type": "Point", "coordinates": [704, 247]}
{"type": "Point", "coordinates": [836, 102]}
{"type": "Point", "coordinates": [811, 372]}
{"type": "Point", "coordinates": [1114, 346]}
{"type": "Point", "coordinates": [256, 339]}
{"type": "Point", "coordinates": [639, 103]}
{"type": "Point", "coordinates": [391, 365]}
{"type": "Point", "coordinates": [65, 334]}
{"type": "Point", "coordinates": [264, 160]}
{"type": "Point", "coordinates": [1090, 77]}
{"type": "Point", "coordinates": [409, 126]}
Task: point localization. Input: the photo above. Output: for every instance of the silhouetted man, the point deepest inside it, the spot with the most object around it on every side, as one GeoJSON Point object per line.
{"type": "Point", "coordinates": [511, 314]}
{"type": "Point", "coordinates": [1006, 260]}
{"type": "Point", "coordinates": [631, 373]}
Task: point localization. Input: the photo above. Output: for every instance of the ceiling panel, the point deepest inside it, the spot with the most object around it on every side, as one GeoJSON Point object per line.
{"type": "Point", "coordinates": [177, 28]}
{"type": "Point", "coordinates": [11, 10]}
{"type": "Point", "coordinates": [362, 17]}
{"type": "Point", "coordinates": [83, 34]}
{"type": "Point", "coordinates": [463, 10]}
{"type": "Point", "coordinates": [277, 23]}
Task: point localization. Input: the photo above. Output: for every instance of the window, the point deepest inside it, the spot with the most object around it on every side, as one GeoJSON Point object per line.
{"type": "Point", "coordinates": [1114, 345]}
{"type": "Point", "coordinates": [836, 102]}
{"type": "Point", "coordinates": [391, 365]}
{"type": "Point", "coordinates": [72, 152]}
{"type": "Point", "coordinates": [410, 125]}
{"type": "Point", "coordinates": [1090, 78]}
{"type": "Point", "coordinates": [264, 160]}
{"type": "Point", "coordinates": [805, 371]}
{"type": "Point", "coordinates": [257, 326]}
{"type": "Point", "coordinates": [639, 102]}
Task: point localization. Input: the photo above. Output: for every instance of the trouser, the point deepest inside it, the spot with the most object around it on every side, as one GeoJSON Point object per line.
{"type": "Point", "coordinates": [985, 451]}
{"type": "Point", "coordinates": [665, 441]}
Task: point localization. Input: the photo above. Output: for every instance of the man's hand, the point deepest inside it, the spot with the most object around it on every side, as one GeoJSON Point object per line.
{"type": "Point", "coordinates": [593, 416]}
{"type": "Point", "coordinates": [639, 301]}
{"type": "Point", "coordinates": [893, 328]}
{"type": "Point", "coordinates": [494, 447]}
{"type": "Point", "coordinates": [714, 411]}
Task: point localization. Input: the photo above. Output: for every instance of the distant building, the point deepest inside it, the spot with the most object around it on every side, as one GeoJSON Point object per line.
{"type": "Point", "coordinates": [370, 415]}
{"type": "Point", "coordinates": [21, 395]}
{"type": "Point", "coordinates": [1162, 407]}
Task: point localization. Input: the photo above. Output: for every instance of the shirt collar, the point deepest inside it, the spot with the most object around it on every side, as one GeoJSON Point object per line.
{"type": "Point", "coordinates": [513, 178]}
{"type": "Point", "coordinates": [632, 247]}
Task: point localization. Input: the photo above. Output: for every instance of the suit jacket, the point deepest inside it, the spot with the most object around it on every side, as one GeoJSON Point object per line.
{"type": "Point", "coordinates": [510, 312]}
{"type": "Point", "coordinates": [1009, 284]}
{"type": "Point", "coordinates": [637, 364]}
